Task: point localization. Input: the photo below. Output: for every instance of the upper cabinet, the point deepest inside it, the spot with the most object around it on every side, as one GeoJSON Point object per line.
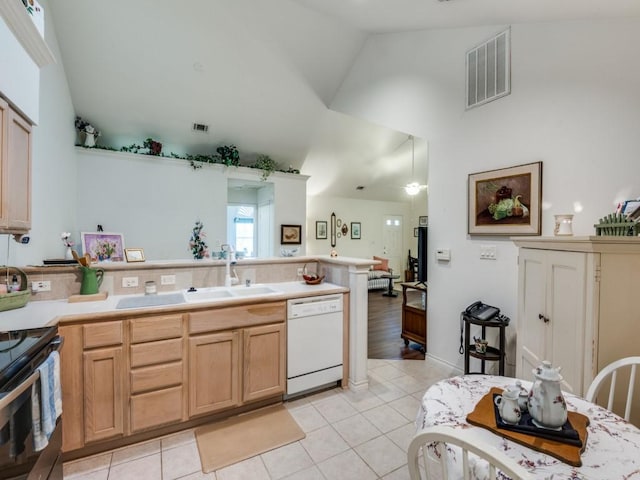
{"type": "Point", "coordinates": [15, 171]}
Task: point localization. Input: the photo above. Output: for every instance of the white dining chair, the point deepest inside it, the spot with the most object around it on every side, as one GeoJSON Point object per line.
{"type": "Point", "coordinates": [612, 370]}
{"type": "Point", "coordinates": [468, 442]}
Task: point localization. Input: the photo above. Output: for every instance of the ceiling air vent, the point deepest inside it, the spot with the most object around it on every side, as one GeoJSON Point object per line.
{"type": "Point", "coordinates": [200, 127]}
{"type": "Point", "coordinates": [489, 70]}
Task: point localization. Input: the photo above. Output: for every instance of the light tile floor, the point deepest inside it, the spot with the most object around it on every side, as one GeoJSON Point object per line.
{"type": "Point", "coordinates": [349, 435]}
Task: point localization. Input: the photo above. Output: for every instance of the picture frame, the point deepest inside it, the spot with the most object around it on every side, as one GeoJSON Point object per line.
{"type": "Point", "coordinates": [134, 255]}
{"type": "Point", "coordinates": [489, 210]}
{"type": "Point", "coordinates": [423, 221]}
{"type": "Point", "coordinates": [415, 232]}
{"type": "Point", "coordinates": [356, 231]}
{"type": "Point", "coordinates": [321, 230]}
{"type": "Point", "coordinates": [291, 234]}
{"type": "Point", "coordinates": [103, 246]}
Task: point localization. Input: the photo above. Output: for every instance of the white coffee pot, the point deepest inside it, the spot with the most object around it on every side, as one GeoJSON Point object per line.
{"type": "Point", "coordinates": [546, 404]}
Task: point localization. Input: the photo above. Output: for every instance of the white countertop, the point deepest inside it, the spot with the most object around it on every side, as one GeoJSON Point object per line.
{"type": "Point", "coordinates": [43, 313]}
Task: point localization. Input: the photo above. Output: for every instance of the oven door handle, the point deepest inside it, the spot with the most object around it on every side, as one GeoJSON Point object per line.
{"type": "Point", "coordinates": [19, 390]}
{"type": "Point", "coordinates": [56, 343]}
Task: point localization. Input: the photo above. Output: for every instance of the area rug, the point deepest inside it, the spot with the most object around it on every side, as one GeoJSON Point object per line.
{"type": "Point", "coordinates": [238, 438]}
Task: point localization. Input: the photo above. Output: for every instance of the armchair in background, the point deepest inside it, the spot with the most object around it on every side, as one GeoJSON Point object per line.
{"type": "Point", "coordinates": [375, 280]}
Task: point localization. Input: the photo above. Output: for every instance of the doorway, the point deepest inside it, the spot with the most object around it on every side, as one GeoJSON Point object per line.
{"type": "Point", "coordinates": [392, 245]}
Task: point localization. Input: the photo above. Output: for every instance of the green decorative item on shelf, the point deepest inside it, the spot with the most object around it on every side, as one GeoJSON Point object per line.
{"type": "Point", "coordinates": [229, 155]}
{"type": "Point", "coordinates": [616, 225]}
{"type": "Point", "coordinates": [266, 164]}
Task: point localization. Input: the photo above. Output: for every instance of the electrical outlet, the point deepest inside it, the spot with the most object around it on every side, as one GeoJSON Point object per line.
{"type": "Point", "coordinates": [41, 286]}
{"type": "Point", "coordinates": [300, 272]}
{"type": "Point", "coordinates": [167, 280]}
{"type": "Point", "coordinates": [129, 282]}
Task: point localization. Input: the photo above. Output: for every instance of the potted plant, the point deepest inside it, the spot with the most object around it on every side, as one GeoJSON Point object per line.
{"type": "Point", "coordinates": [266, 164]}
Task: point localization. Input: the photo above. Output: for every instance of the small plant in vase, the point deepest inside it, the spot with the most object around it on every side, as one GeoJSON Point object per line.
{"type": "Point", "coordinates": [65, 237]}
{"type": "Point", "coordinates": [89, 131]}
{"type": "Point", "coordinates": [197, 244]}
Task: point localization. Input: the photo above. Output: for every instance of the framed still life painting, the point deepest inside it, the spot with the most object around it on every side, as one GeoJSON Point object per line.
{"type": "Point", "coordinates": [506, 201]}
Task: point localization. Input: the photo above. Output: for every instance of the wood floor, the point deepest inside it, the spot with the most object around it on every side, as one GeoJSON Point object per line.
{"type": "Point", "coordinates": [385, 326]}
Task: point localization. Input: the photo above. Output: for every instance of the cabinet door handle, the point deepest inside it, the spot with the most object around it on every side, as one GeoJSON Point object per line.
{"type": "Point", "coordinates": [543, 318]}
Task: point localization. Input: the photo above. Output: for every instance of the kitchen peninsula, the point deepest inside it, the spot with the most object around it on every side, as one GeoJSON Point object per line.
{"type": "Point", "coordinates": [150, 356]}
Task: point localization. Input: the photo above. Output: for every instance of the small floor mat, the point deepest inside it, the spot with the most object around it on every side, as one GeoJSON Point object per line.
{"type": "Point", "coordinates": [237, 438]}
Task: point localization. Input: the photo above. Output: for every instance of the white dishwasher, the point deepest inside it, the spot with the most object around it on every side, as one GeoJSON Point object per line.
{"type": "Point", "coordinates": [314, 342]}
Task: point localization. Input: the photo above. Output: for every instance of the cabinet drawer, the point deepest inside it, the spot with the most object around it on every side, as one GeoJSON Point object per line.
{"type": "Point", "coordinates": [156, 352]}
{"type": "Point", "coordinates": [235, 317]}
{"type": "Point", "coordinates": [156, 377]}
{"type": "Point", "coordinates": [156, 408]}
{"type": "Point", "coordinates": [102, 334]}
{"type": "Point", "coordinates": [155, 328]}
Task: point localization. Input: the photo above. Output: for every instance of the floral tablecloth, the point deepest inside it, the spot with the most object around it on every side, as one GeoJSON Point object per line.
{"type": "Point", "coordinates": [613, 445]}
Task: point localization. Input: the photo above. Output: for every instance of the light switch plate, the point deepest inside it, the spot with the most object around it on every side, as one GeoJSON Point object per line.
{"type": "Point", "coordinates": [443, 254]}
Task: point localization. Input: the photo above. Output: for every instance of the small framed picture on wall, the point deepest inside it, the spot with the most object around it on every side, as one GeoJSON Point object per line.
{"type": "Point", "coordinates": [355, 230]}
{"type": "Point", "coordinates": [321, 230]}
{"type": "Point", "coordinates": [423, 221]}
{"type": "Point", "coordinates": [290, 234]}
{"type": "Point", "coordinates": [415, 232]}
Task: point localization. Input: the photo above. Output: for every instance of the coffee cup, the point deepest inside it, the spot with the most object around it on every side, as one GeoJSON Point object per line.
{"type": "Point", "coordinates": [507, 404]}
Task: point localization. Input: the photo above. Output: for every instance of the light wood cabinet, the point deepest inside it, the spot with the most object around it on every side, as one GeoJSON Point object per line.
{"type": "Point", "coordinates": [264, 362]}
{"type": "Point", "coordinates": [125, 377]}
{"type": "Point", "coordinates": [103, 401]}
{"type": "Point", "coordinates": [15, 171]}
{"type": "Point", "coordinates": [577, 306]}
{"type": "Point", "coordinates": [156, 372]}
{"type": "Point", "coordinates": [214, 372]}
{"type": "Point", "coordinates": [223, 373]}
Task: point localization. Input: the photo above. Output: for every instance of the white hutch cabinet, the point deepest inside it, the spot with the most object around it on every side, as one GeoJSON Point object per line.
{"type": "Point", "coordinates": [578, 303]}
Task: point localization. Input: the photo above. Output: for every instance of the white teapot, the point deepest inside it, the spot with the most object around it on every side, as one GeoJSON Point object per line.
{"type": "Point", "coordinates": [546, 404]}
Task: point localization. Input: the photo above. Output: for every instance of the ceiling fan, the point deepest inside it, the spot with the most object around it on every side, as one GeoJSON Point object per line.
{"type": "Point", "coordinates": [413, 188]}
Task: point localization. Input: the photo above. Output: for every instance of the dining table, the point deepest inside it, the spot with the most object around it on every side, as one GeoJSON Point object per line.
{"type": "Point", "coordinates": [612, 449]}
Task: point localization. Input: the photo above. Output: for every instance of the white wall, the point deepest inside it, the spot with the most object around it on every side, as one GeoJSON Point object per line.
{"type": "Point", "coordinates": [575, 106]}
{"type": "Point", "coordinates": [370, 215]}
{"type": "Point", "coordinates": [53, 165]}
{"type": "Point", "coordinates": [155, 201]}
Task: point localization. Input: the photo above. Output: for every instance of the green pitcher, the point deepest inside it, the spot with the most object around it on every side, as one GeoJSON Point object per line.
{"type": "Point", "coordinates": [91, 280]}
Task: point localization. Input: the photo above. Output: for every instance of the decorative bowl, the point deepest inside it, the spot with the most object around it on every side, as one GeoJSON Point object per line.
{"type": "Point", "coordinates": [313, 279]}
{"type": "Point", "coordinates": [288, 252]}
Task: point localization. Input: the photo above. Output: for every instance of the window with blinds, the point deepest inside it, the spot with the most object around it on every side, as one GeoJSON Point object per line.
{"type": "Point", "coordinates": [489, 70]}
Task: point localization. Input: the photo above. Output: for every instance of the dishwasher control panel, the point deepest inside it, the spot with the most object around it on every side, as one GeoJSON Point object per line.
{"type": "Point", "coordinates": [310, 306]}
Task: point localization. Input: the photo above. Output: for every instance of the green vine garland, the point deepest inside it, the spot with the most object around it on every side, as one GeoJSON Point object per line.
{"type": "Point", "coordinates": [226, 155]}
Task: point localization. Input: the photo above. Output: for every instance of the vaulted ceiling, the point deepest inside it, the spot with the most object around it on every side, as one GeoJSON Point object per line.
{"type": "Point", "coordinates": [262, 74]}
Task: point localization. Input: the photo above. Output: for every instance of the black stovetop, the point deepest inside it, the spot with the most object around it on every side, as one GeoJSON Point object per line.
{"type": "Point", "coordinates": [17, 350]}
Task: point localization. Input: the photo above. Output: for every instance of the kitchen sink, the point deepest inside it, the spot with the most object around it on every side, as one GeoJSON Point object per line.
{"type": "Point", "coordinates": [251, 291]}
{"type": "Point", "coordinates": [151, 300]}
{"type": "Point", "coordinates": [209, 294]}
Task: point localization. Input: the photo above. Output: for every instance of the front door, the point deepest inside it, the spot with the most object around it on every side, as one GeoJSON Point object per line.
{"type": "Point", "coordinates": [392, 228]}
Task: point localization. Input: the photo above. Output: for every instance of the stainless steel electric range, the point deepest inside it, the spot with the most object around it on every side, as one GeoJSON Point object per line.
{"type": "Point", "coordinates": [21, 352]}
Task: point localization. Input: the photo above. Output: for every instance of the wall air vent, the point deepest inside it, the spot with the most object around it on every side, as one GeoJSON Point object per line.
{"type": "Point", "coordinates": [200, 127]}
{"type": "Point", "coordinates": [489, 70]}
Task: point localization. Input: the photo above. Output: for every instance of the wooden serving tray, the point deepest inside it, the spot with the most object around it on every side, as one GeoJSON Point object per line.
{"type": "Point", "coordinates": [88, 298]}
{"type": "Point", "coordinates": [484, 416]}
